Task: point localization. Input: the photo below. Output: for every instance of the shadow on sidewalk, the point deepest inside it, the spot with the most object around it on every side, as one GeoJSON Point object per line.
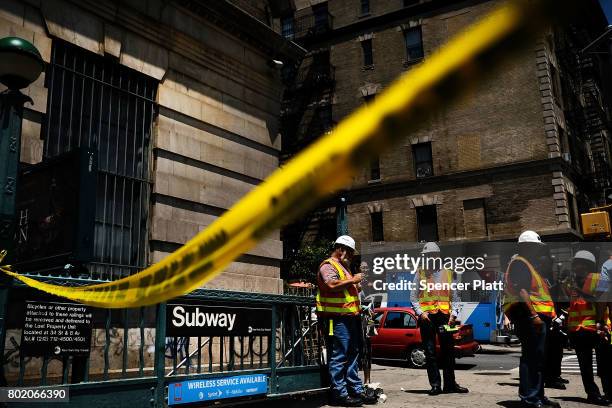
{"type": "Point", "coordinates": [574, 399]}
{"type": "Point", "coordinates": [508, 384]}
{"type": "Point", "coordinates": [510, 404]}
{"type": "Point", "coordinates": [310, 401]}
{"type": "Point", "coordinates": [416, 391]}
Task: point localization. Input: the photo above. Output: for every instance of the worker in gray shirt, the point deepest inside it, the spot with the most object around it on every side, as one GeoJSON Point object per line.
{"type": "Point", "coordinates": [437, 311]}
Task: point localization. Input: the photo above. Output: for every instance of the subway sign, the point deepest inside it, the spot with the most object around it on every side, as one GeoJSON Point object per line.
{"type": "Point", "coordinates": [189, 320]}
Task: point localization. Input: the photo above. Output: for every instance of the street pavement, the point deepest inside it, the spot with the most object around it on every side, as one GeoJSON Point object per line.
{"type": "Point", "coordinates": [491, 376]}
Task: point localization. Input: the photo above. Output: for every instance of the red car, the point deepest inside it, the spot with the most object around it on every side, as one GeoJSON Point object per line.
{"type": "Point", "coordinates": [399, 337]}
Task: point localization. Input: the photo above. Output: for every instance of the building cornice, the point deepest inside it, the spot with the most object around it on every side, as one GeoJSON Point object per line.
{"type": "Point", "coordinates": [396, 17]}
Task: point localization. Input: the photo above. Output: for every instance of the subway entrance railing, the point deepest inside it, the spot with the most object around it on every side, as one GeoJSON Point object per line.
{"type": "Point", "coordinates": [134, 358]}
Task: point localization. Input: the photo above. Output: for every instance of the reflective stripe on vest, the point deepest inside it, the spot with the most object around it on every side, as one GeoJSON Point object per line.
{"type": "Point", "coordinates": [344, 303]}
{"type": "Point", "coordinates": [582, 315]}
{"type": "Point", "coordinates": [436, 300]}
{"type": "Point", "coordinates": [539, 295]}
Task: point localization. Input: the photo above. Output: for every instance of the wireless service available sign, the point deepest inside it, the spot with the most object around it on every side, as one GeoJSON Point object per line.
{"type": "Point", "coordinates": [184, 320]}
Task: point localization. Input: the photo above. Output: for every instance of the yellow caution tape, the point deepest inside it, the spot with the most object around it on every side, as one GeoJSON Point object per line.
{"type": "Point", "coordinates": [320, 170]}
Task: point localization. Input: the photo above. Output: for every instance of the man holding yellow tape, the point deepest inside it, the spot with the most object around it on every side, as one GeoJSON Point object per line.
{"type": "Point", "coordinates": [338, 309]}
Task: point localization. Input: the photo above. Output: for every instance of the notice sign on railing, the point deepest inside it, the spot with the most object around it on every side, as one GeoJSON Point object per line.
{"type": "Point", "coordinates": [185, 392]}
{"type": "Point", "coordinates": [54, 329]}
{"type": "Point", "coordinates": [188, 320]}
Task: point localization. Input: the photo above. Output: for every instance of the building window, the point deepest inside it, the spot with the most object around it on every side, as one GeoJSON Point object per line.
{"type": "Point", "coordinates": [369, 98]}
{"type": "Point", "coordinates": [287, 27]}
{"type": "Point", "coordinates": [375, 169]}
{"type": "Point", "coordinates": [413, 38]}
{"type": "Point", "coordinates": [556, 85]}
{"type": "Point", "coordinates": [571, 208]}
{"type": "Point", "coordinates": [321, 17]}
{"type": "Point", "coordinates": [377, 226]}
{"type": "Point", "coordinates": [96, 102]}
{"type": "Point", "coordinates": [423, 161]}
{"type": "Point", "coordinates": [368, 58]}
{"type": "Point", "coordinates": [427, 223]}
{"type": "Point", "coordinates": [365, 7]}
{"type": "Point", "coordinates": [475, 218]}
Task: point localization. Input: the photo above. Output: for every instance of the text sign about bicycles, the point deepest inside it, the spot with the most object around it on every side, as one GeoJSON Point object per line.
{"type": "Point", "coordinates": [184, 320]}
{"type": "Point", "coordinates": [186, 392]}
{"type": "Point", "coordinates": [56, 329]}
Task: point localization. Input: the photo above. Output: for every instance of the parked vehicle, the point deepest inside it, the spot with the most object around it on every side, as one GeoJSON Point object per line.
{"type": "Point", "coordinates": [399, 337]}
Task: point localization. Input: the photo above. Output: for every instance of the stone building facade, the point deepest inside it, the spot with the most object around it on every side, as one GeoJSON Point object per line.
{"type": "Point", "coordinates": [204, 70]}
{"type": "Point", "coordinates": [509, 156]}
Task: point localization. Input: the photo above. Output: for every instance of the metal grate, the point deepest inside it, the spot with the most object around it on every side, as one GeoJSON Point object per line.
{"type": "Point", "coordinates": [95, 102]}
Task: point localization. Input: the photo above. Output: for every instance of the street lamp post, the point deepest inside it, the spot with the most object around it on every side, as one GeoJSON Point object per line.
{"type": "Point", "coordinates": [20, 65]}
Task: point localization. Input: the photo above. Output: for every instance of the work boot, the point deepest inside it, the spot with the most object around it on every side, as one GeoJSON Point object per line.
{"type": "Point", "coordinates": [546, 403]}
{"type": "Point", "coordinates": [368, 398]}
{"type": "Point", "coordinates": [456, 389]}
{"type": "Point", "coordinates": [555, 384]}
{"type": "Point", "coordinates": [346, 401]}
{"type": "Point", "coordinates": [598, 400]}
{"type": "Point", "coordinates": [435, 391]}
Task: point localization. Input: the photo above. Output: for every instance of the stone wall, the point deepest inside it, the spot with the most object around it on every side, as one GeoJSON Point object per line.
{"type": "Point", "coordinates": [216, 135]}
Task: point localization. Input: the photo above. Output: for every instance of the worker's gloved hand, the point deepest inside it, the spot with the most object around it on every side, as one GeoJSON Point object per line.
{"type": "Point", "coordinates": [425, 317]}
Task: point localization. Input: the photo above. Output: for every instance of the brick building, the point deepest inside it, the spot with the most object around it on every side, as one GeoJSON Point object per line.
{"type": "Point", "coordinates": [181, 100]}
{"type": "Point", "coordinates": [528, 148]}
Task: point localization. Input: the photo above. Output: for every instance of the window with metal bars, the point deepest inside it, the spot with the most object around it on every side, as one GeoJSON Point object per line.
{"type": "Point", "coordinates": [97, 103]}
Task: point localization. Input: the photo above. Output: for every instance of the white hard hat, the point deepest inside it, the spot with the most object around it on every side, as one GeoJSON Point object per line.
{"type": "Point", "coordinates": [585, 255]}
{"type": "Point", "coordinates": [529, 236]}
{"type": "Point", "coordinates": [346, 241]}
{"type": "Point", "coordinates": [430, 247]}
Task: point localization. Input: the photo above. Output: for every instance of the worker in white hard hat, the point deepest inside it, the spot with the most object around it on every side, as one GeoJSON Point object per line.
{"type": "Point", "coordinates": [338, 309]}
{"type": "Point", "coordinates": [604, 294]}
{"type": "Point", "coordinates": [529, 306]}
{"type": "Point", "coordinates": [437, 311]}
{"type": "Point", "coordinates": [586, 325]}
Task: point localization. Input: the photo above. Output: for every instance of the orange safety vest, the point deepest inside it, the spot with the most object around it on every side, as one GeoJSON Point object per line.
{"type": "Point", "coordinates": [583, 314]}
{"type": "Point", "coordinates": [343, 303]}
{"type": "Point", "coordinates": [435, 301]}
{"type": "Point", "coordinates": [539, 295]}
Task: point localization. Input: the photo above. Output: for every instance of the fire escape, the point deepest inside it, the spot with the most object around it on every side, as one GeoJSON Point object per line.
{"type": "Point", "coordinates": [306, 111]}
{"type": "Point", "coordinates": [585, 111]}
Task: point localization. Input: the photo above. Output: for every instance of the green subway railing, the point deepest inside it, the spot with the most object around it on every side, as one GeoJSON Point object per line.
{"type": "Point", "coordinates": [132, 362]}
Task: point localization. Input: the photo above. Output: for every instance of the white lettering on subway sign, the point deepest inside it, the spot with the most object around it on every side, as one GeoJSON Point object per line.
{"type": "Point", "coordinates": [198, 318]}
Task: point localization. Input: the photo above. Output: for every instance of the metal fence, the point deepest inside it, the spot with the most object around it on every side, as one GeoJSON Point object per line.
{"type": "Point", "coordinates": [132, 362]}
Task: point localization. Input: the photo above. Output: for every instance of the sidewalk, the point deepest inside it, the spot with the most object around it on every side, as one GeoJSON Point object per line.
{"type": "Point", "coordinates": [408, 388]}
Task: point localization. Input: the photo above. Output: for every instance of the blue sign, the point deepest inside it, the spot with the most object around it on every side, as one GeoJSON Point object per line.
{"type": "Point", "coordinates": [185, 392]}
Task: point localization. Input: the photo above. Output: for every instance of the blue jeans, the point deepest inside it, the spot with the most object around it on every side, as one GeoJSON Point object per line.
{"type": "Point", "coordinates": [533, 355]}
{"type": "Point", "coordinates": [344, 361]}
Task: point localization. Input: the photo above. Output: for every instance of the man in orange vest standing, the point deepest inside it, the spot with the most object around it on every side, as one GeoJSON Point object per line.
{"type": "Point", "coordinates": [587, 325]}
{"type": "Point", "coordinates": [338, 309]}
{"type": "Point", "coordinates": [530, 307]}
{"type": "Point", "coordinates": [437, 311]}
